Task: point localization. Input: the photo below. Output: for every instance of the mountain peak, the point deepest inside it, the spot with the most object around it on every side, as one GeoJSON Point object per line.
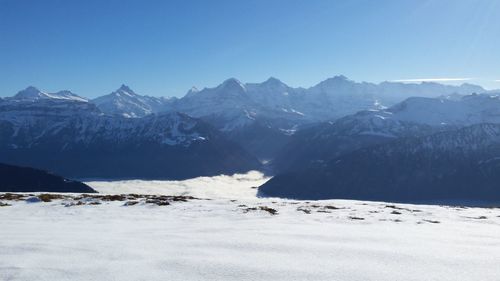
{"type": "Point", "coordinates": [231, 80]}
{"type": "Point", "coordinates": [31, 88]}
{"type": "Point", "coordinates": [124, 89]}
{"type": "Point", "coordinates": [232, 84]}
{"type": "Point", "coordinates": [472, 88]}
{"type": "Point", "coordinates": [192, 91]}
{"type": "Point", "coordinates": [338, 78]}
{"type": "Point", "coordinates": [335, 81]}
{"type": "Point", "coordinates": [273, 81]}
{"type": "Point", "coordinates": [30, 93]}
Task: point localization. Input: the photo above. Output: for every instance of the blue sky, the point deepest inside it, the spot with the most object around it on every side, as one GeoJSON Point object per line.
{"type": "Point", "coordinates": [165, 47]}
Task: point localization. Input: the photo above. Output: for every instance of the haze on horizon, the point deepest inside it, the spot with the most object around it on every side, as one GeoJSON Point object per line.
{"type": "Point", "coordinates": [164, 48]}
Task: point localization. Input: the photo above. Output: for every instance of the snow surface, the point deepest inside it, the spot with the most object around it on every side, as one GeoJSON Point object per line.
{"type": "Point", "coordinates": [217, 240]}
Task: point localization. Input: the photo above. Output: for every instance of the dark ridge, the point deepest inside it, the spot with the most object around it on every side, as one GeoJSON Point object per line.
{"type": "Point", "coordinates": [24, 179]}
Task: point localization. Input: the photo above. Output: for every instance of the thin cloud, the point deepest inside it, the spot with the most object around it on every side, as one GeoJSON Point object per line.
{"type": "Point", "coordinates": [498, 80]}
{"type": "Point", "coordinates": [433, 80]}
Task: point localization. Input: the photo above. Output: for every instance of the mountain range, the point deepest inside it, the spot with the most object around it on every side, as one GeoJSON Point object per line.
{"type": "Point", "coordinates": [460, 165]}
{"type": "Point", "coordinates": [72, 137]}
{"type": "Point", "coordinates": [261, 116]}
{"type": "Point", "coordinates": [337, 139]}
{"type": "Point", "coordinates": [416, 116]}
{"type": "Point", "coordinates": [420, 149]}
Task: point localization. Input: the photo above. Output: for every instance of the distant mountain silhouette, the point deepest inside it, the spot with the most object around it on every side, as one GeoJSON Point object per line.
{"type": "Point", "coordinates": [23, 179]}
{"type": "Point", "coordinates": [459, 165]}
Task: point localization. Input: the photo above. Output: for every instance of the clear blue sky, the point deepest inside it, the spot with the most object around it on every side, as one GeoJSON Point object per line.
{"type": "Point", "coordinates": [165, 47]}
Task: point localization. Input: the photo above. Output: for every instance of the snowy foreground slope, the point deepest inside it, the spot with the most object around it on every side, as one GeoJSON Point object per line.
{"type": "Point", "coordinates": [235, 236]}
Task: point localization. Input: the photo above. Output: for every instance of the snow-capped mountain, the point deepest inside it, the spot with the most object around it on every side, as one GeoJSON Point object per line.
{"type": "Point", "coordinates": [459, 164]}
{"type": "Point", "coordinates": [278, 110]}
{"type": "Point", "coordinates": [33, 94]}
{"type": "Point", "coordinates": [75, 139]}
{"type": "Point", "coordinates": [233, 105]}
{"type": "Point", "coordinates": [257, 116]}
{"type": "Point", "coordinates": [467, 110]}
{"type": "Point", "coordinates": [416, 116]}
{"type": "Point", "coordinates": [236, 104]}
{"type": "Point", "coordinates": [260, 117]}
{"type": "Point", "coordinates": [226, 100]}
{"type": "Point", "coordinates": [443, 112]}
{"type": "Point", "coordinates": [31, 105]}
{"type": "Point", "coordinates": [127, 103]}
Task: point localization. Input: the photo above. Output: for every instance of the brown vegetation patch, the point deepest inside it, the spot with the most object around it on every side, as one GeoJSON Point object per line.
{"type": "Point", "coordinates": [47, 197]}
{"type": "Point", "coordinates": [118, 197]}
{"type": "Point", "coordinates": [14, 196]}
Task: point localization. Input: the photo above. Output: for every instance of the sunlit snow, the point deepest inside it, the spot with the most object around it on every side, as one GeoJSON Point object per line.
{"type": "Point", "coordinates": [230, 238]}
